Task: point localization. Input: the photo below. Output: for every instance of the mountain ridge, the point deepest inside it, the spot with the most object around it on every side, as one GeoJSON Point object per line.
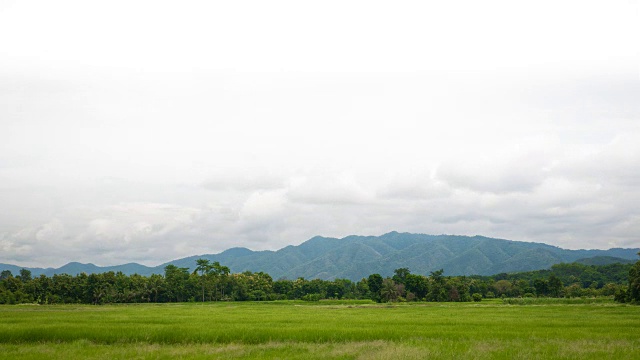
{"type": "Point", "coordinates": [354, 257]}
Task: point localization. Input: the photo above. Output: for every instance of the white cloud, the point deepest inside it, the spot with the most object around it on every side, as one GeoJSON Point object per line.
{"type": "Point", "coordinates": [262, 211]}
{"type": "Point", "coordinates": [342, 188]}
{"type": "Point", "coordinates": [244, 179]}
{"type": "Point", "coordinates": [413, 186]}
{"type": "Point", "coordinates": [145, 131]}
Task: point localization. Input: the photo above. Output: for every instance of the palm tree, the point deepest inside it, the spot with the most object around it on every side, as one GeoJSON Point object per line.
{"type": "Point", "coordinates": [204, 267]}
{"type": "Point", "coordinates": [389, 290]}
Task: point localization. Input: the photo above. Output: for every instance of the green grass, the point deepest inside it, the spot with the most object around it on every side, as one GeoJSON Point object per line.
{"type": "Point", "coordinates": [321, 330]}
{"type": "Point", "coordinates": [556, 301]}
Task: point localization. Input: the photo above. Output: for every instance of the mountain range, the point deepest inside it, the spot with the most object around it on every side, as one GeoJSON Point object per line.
{"type": "Point", "coordinates": [355, 257]}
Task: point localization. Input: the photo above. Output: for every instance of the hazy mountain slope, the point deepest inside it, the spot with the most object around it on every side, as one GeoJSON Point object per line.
{"type": "Point", "coordinates": [15, 270]}
{"type": "Point", "coordinates": [355, 257]}
{"type": "Point", "coordinates": [604, 260]}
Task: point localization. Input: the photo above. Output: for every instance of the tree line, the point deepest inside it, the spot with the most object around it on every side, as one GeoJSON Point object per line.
{"type": "Point", "coordinates": [211, 281]}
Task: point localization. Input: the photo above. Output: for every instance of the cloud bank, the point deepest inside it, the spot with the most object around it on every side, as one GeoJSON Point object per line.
{"type": "Point", "coordinates": [188, 130]}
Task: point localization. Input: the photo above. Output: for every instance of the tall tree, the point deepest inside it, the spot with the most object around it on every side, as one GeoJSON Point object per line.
{"type": "Point", "coordinates": [555, 286]}
{"type": "Point", "coordinates": [400, 275]}
{"type": "Point", "coordinates": [204, 267]}
{"type": "Point", "coordinates": [176, 279]}
{"type": "Point", "coordinates": [542, 287]}
{"type": "Point", "coordinates": [5, 274]}
{"type": "Point", "coordinates": [156, 285]}
{"type": "Point", "coordinates": [437, 290]}
{"type": "Point", "coordinates": [375, 284]}
{"type": "Point", "coordinates": [390, 291]}
{"type": "Point", "coordinates": [634, 283]}
{"type": "Point", "coordinates": [220, 273]}
{"type": "Point", "coordinates": [25, 275]}
{"type": "Point", "coordinates": [417, 284]}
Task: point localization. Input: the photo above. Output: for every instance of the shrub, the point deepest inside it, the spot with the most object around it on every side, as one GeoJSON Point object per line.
{"type": "Point", "coordinates": [312, 297]}
{"type": "Point", "coordinates": [620, 296]}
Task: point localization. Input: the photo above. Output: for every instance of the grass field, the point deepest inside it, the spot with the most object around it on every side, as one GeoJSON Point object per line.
{"type": "Point", "coordinates": [324, 330]}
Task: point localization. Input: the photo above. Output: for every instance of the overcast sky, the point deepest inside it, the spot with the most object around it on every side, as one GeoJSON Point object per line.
{"type": "Point", "coordinates": [145, 131]}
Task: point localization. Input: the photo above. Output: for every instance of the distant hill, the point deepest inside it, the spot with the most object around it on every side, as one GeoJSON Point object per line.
{"type": "Point", "coordinates": [604, 260]}
{"type": "Point", "coordinates": [355, 257]}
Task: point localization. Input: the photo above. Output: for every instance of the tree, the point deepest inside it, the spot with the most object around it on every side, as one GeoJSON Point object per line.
{"type": "Point", "coordinates": [454, 294]}
{"type": "Point", "coordinates": [541, 286]}
{"type": "Point", "coordinates": [5, 274]}
{"type": "Point", "coordinates": [156, 285]}
{"type": "Point", "coordinates": [336, 289]}
{"type": "Point", "coordinates": [362, 289]}
{"type": "Point", "coordinates": [220, 273]}
{"type": "Point", "coordinates": [401, 275]}
{"type": "Point", "coordinates": [417, 284]}
{"type": "Point", "coordinates": [391, 291]}
{"type": "Point", "coordinates": [458, 289]}
{"type": "Point", "coordinates": [633, 293]}
{"type": "Point", "coordinates": [25, 275]}
{"type": "Point", "coordinates": [176, 280]}
{"type": "Point", "coordinates": [283, 288]}
{"type": "Point", "coordinates": [437, 290]}
{"type": "Point", "coordinates": [503, 287]}
{"type": "Point", "coordinates": [375, 284]}
{"type": "Point", "coordinates": [204, 267]}
{"type": "Point", "coordinates": [437, 276]}
{"type": "Point", "coordinates": [555, 286]}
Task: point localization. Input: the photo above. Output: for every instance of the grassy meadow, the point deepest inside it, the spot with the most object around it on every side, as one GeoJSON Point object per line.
{"type": "Point", "coordinates": [322, 330]}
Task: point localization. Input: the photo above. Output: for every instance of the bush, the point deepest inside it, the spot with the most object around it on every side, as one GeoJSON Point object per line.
{"type": "Point", "coordinates": [312, 297]}
{"type": "Point", "coordinates": [620, 296]}
{"type": "Point", "coordinates": [476, 297]}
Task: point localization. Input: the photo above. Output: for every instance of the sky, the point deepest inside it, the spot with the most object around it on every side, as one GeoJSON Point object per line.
{"type": "Point", "coordinates": [146, 131]}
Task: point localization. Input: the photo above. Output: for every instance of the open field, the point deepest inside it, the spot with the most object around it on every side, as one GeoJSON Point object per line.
{"type": "Point", "coordinates": [325, 330]}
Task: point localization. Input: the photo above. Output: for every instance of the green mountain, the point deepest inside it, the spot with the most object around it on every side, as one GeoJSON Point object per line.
{"type": "Point", "coordinates": [604, 260]}
{"type": "Point", "coordinates": [355, 257]}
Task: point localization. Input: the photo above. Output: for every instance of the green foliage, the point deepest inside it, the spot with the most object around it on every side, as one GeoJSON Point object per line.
{"type": "Point", "coordinates": [312, 297]}
{"type": "Point", "coordinates": [211, 281]}
{"type": "Point", "coordinates": [554, 285]}
{"type": "Point", "coordinates": [25, 275]}
{"type": "Point", "coordinates": [390, 291]}
{"type": "Point", "coordinates": [603, 260]}
{"type": "Point", "coordinates": [621, 296]}
{"type": "Point", "coordinates": [417, 285]}
{"type": "Point", "coordinates": [374, 283]}
{"type": "Point", "coordinates": [633, 293]}
{"type": "Point", "coordinates": [5, 274]}
{"type": "Point", "coordinates": [401, 275]}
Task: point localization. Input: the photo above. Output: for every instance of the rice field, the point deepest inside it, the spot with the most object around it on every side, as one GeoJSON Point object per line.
{"type": "Point", "coordinates": [323, 330]}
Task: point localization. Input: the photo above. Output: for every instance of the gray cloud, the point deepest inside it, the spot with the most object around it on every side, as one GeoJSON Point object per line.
{"type": "Point", "coordinates": [499, 173]}
{"type": "Point", "coordinates": [118, 151]}
{"type": "Point", "coordinates": [321, 189]}
{"type": "Point", "coordinates": [245, 179]}
{"type": "Point", "coordinates": [562, 211]}
{"type": "Point", "coordinates": [413, 186]}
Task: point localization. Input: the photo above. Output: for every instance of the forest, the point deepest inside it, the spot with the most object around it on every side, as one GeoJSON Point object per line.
{"type": "Point", "coordinates": [211, 281]}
